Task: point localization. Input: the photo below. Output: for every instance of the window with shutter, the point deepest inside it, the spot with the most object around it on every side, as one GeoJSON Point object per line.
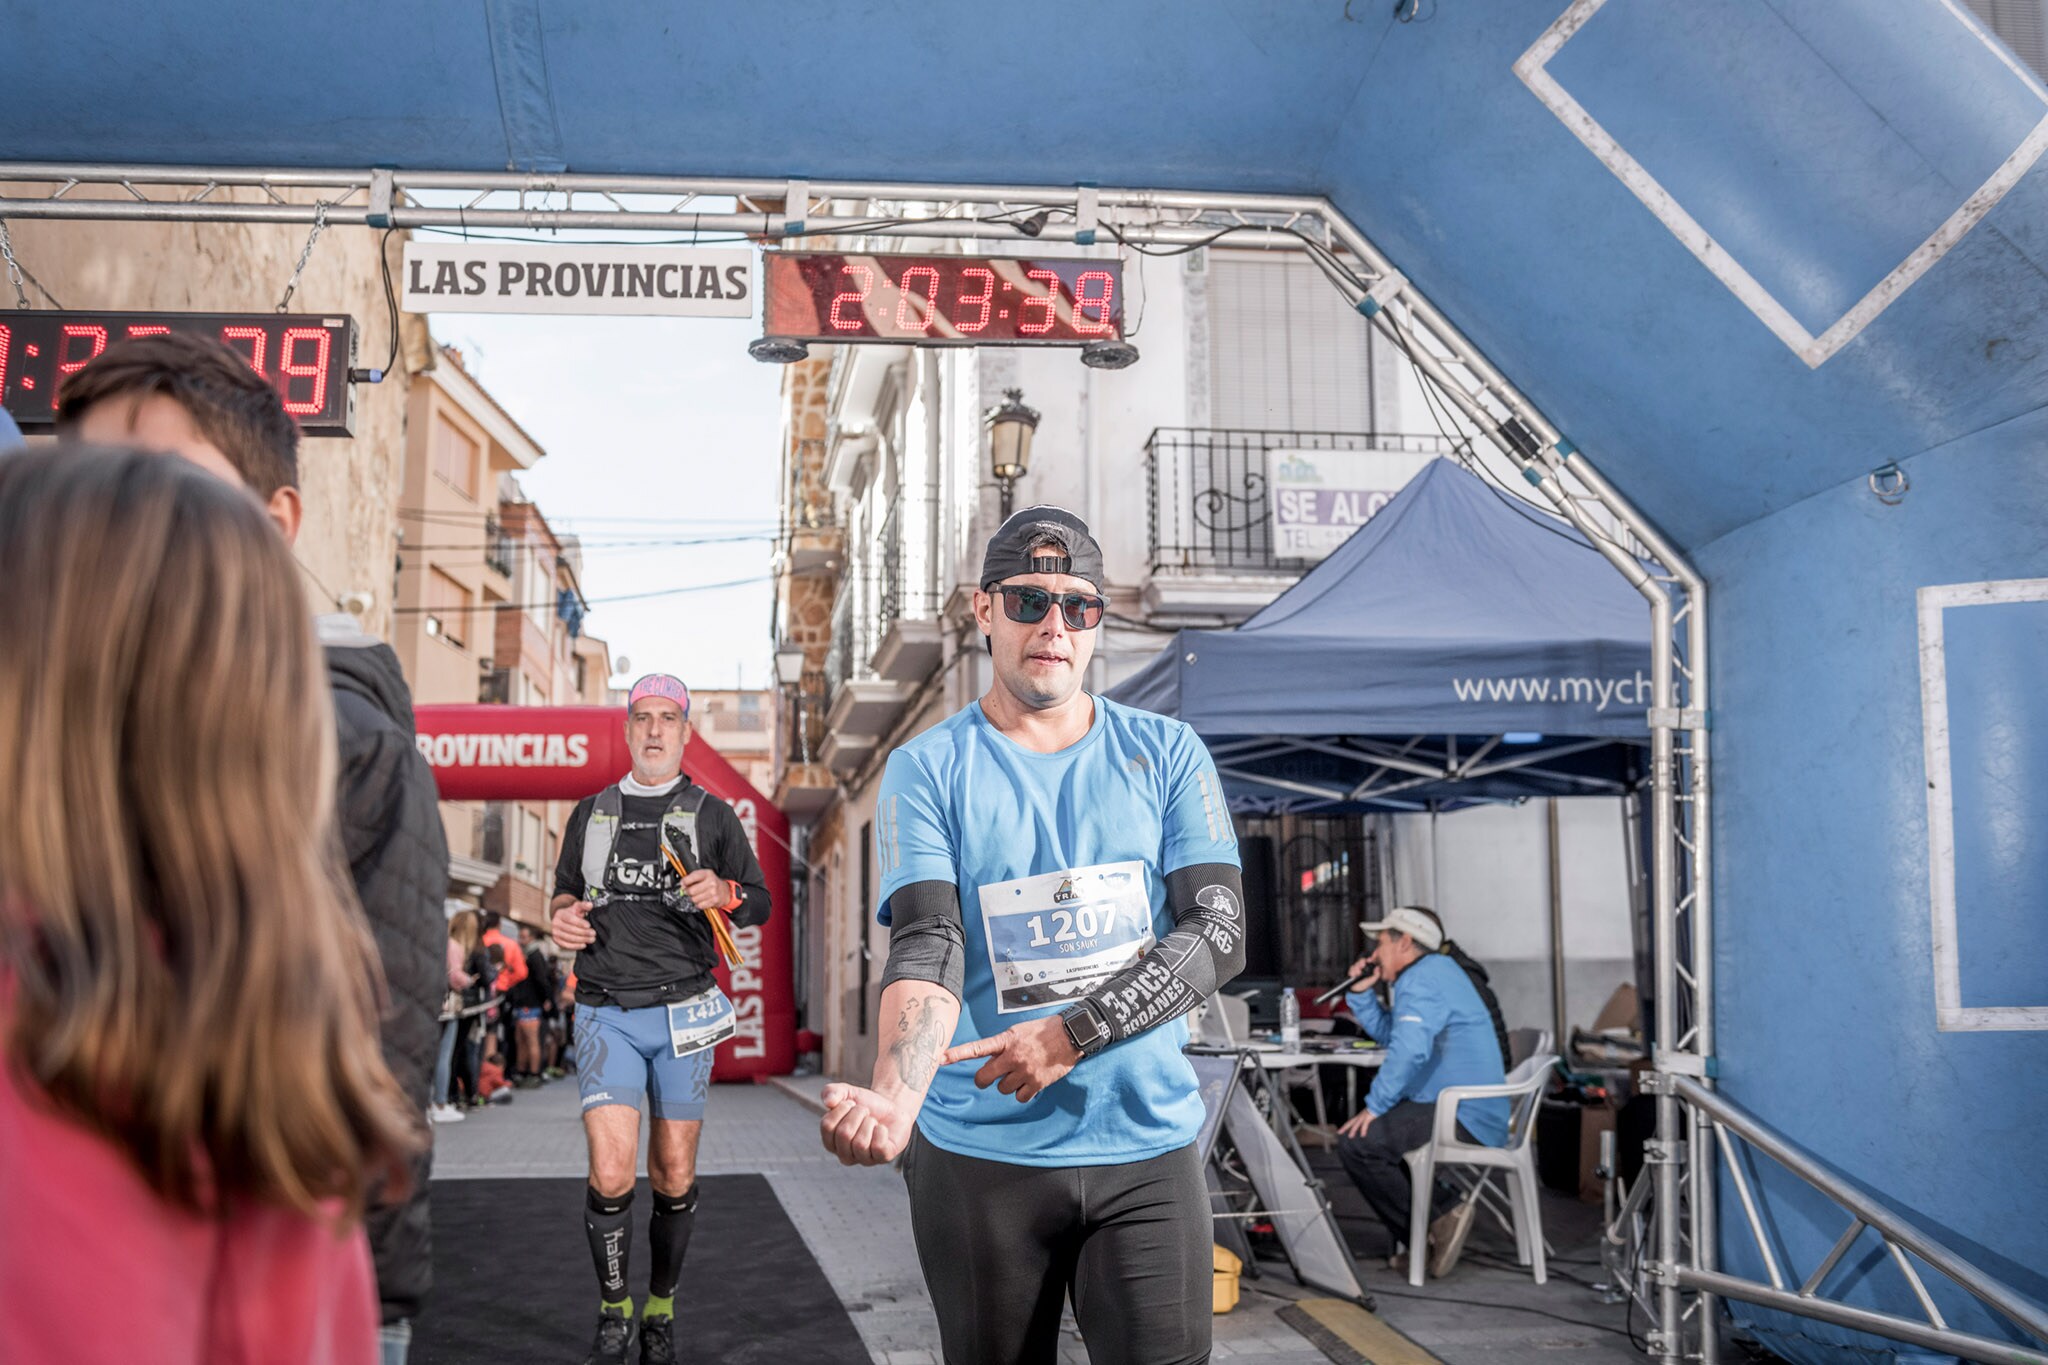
{"type": "Point", "coordinates": [1288, 354]}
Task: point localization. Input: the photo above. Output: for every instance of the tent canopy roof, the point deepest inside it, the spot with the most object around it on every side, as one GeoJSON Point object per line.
{"type": "Point", "coordinates": [1823, 150]}
{"type": "Point", "coordinates": [1458, 633]}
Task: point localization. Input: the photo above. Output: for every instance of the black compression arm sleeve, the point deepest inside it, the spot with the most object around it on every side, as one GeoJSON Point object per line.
{"type": "Point", "coordinates": [927, 940]}
{"type": "Point", "coordinates": [1205, 949]}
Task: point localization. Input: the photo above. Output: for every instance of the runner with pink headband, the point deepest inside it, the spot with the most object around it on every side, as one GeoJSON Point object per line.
{"type": "Point", "coordinates": [661, 685]}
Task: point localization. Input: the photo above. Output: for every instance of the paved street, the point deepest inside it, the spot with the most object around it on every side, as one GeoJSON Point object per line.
{"type": "Point", "coordinates": [857, 1225]}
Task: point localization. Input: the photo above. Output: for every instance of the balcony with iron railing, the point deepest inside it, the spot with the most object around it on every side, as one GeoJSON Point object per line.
{"type": "Point", "coordinates": [804, 784]}
{"type": "Point", "coordinates": [497, 548]}
{"type": "Point", "coordinates": [906, 630]}
{"type": "Point", "coordinates": [886, 634]}
{"type": "Point", "coordinates": [1212, 545]}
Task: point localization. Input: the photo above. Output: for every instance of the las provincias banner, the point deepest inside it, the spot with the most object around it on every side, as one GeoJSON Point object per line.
{"type": "Point", "coordinates": [565, 753]}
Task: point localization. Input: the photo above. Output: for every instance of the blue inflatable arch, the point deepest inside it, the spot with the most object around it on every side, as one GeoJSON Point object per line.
{"type": "Point", "coordinates": [1777, 270]}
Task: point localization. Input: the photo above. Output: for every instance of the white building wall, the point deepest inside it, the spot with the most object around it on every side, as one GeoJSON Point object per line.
{"type": "Point", "coordinates": [1486, 872]}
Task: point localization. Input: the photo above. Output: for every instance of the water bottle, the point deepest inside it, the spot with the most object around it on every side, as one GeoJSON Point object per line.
{"type": "Point", "coordinates": [1290, 1021]}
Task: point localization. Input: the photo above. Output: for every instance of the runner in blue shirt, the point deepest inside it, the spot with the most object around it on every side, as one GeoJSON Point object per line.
{"type": "Point", "coordinates": [1060, 878]}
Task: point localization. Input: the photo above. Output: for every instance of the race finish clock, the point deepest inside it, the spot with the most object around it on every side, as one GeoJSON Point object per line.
{"type": "Point", "coordinates": [943, 300]}
{"type": "Point", "coordinates": [307, 356]}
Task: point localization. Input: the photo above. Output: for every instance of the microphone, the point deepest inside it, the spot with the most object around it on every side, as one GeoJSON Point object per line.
{"type": "Point", "coordinates": [1331, 994]}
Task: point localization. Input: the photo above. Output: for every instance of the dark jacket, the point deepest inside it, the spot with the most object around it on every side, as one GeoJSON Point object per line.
{"type": "Point", "coordinates": [390, 822]}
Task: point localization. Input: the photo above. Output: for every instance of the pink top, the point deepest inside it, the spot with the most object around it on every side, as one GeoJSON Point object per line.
{"type": "Point", "coordinates": [96, 1270]}
{"type": "Point", "coordinates": [458, 979]}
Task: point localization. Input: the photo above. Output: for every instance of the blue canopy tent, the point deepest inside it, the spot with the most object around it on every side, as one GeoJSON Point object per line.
{"type": "Point", "coordinates": [1460, 647]}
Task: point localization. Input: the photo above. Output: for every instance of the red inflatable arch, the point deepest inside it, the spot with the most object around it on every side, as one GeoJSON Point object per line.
{"type": "Point", "coordinates": [565, 753]}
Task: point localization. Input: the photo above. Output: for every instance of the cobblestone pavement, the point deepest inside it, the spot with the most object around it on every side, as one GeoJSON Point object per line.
{"type": "Point", "coordinates": [856, 1222]}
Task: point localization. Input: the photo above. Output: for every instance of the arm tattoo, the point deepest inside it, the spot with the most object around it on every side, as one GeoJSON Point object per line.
{"type": "Point", "coordinates": [918, 1043]}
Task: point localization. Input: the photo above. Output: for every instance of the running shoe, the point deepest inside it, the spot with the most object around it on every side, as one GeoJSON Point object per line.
{"type": "Point", "coordinates": [615, 1333]}
{"type": "Point", "coordinates": [658, 1341]}
{"type": "Point", "coordinates": [1447, 1237]}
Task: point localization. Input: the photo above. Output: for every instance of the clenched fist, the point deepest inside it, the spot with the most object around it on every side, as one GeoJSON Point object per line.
{"type": "Point", "coordinates": [863, 1127]}
{"type": "Point", "coordinates": [571, 926]}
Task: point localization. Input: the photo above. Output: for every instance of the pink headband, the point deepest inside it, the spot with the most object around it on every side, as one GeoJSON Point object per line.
{"type": "Point", "coordinates": [660, 685]}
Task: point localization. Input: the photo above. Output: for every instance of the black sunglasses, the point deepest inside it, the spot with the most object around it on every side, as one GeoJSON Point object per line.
{"type": "Point", "coordinates": [1081, 610]}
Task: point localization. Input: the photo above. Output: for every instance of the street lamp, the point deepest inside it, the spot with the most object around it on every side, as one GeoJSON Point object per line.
{"type": "Point", "coordinates": [1009, 441]}
{"type": "Point", "coordinates": [789, 672]}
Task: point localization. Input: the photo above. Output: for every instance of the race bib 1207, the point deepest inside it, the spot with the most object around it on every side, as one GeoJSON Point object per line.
{"type": "Point", "coordinates": [1055, 937]}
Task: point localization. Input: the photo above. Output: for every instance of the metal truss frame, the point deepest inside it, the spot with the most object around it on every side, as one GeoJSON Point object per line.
{"type": "Point", "coordinates": [1681, 1265]}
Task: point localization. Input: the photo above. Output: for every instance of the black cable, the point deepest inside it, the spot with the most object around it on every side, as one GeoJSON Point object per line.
{"type": "Point", "coordinates": [589, 601]}
{"type": "Point", "coordinates": [1461, 450]}
{"type": "Point", "coordinates": [1185, 250]}
{"type": "Point", "coordinates": [1629, 1321]}
{"type": "Point", "coordinates": [587, 546]}
{"type": "Point", "coordinates": [390, 296]}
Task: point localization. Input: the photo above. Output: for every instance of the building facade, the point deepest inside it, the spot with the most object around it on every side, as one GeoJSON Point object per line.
{"type": "Point", "coordinates": [351, 485]}
{"type": "Point", "coordinates": [489, 610]}
{"type": "Point", "coordinates": [740, 724]}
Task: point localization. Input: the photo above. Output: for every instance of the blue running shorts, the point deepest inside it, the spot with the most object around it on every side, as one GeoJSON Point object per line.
{"type": "Point", "coordinates": [624, 1054]}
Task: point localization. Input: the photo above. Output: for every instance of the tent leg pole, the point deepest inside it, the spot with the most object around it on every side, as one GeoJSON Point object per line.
{"type": "Point", "coordinates": [1557, 1006]}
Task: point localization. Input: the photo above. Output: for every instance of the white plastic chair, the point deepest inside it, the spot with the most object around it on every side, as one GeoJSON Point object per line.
{"type": "Point", "coordinates": [1523, 1091]}
{"type": "Point", "coordinates": [1524, 1043]}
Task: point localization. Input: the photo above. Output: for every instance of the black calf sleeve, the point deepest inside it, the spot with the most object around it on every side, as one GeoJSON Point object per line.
{"type": "Point", "coordinates": [668, 1235]}
{"type": "Point", "coordinates": [609, 1223]}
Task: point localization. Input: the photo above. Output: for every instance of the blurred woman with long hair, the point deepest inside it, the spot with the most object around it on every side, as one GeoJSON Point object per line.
{"type": "Point", "coordinates": [192, 1100]}
{"type": "Point", "coordinates": [463, 934]}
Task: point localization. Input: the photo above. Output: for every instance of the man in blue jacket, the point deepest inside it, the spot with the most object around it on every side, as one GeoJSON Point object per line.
{"type": "Point", "coordinates": [1437, 1034]}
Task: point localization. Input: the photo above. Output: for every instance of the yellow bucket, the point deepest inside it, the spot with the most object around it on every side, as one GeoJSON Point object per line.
{"type": "Point", "coordinates": [1228, 1269]}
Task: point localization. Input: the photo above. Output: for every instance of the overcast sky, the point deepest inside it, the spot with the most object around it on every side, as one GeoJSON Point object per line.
{"type": "Point", "coordinates": [656, 429]}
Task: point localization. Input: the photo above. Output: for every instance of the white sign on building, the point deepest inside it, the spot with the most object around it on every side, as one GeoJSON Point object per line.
{"type": "Point", "coordinates": [548, 277]}
{"type": "Point", "coordinates": [1319, 497]}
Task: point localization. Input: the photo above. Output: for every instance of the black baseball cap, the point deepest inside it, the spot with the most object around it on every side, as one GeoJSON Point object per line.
{"type": "Point", "coordinates": [1010, 548]}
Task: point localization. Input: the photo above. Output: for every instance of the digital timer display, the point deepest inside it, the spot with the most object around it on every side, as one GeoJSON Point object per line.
{"type": "Point", "coordinates": [943, 300]}
{"type": "Point", "coordinates": [307, 356]}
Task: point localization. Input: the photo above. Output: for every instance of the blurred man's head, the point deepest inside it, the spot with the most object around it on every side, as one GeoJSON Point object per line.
{"type": "Point", "coordinates": [1040, 604]}
{"type": "Point", "coordinates": [185, 395]}
{"type": "Point", "coordinates": [1407, 934]}
{"type": "Point", "coordinates": [657, 728]}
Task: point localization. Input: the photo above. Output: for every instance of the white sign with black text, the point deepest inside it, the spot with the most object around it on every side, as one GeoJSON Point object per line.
{"type": "Point", "coordinates": [1319, 497]}
{"type": "Point", "coordinates": [633, 281]}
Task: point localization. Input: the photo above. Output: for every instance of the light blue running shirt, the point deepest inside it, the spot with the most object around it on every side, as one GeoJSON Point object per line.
{"type": "Point", "coordinates": [1061, 862]}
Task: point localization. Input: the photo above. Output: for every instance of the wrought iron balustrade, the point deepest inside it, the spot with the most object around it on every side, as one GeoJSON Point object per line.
{"type": "Point", "coordinates": [1209, 506]}
{"type": "Point", "coordinates": [905, 590]}
{"type": "Point", "coordinates": [803, 724]}
{"type": "Point", "coordinates": [497, 547]}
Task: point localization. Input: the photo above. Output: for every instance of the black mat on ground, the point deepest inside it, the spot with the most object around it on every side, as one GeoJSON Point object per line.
{"type": "Point", "coordinates": [513, 1284]}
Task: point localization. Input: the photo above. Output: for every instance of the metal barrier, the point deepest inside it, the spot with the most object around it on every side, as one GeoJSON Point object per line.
{"type": "Point", "coordinates": [1632, 1269]}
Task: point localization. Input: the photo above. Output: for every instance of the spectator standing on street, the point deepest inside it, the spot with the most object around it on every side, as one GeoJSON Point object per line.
{"type": "Point", "coordinates": [194, 398]}
{"type": "Point", "coordinates": [462, 939]}
{"type": "Point", "coordinates": [508, 969]}
{"type": "Point", "coordinates": [529, 1000]}
{"type": "Point", "coordinates": [192, 1105]}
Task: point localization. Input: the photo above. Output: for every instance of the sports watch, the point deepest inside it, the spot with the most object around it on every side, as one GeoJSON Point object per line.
{"type": "Point", "coordinates": [1085, 1030]}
